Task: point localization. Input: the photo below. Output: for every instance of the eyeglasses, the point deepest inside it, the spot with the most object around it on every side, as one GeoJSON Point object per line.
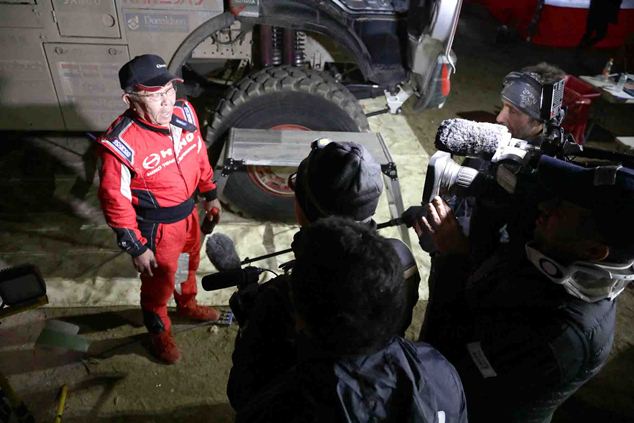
{"type": "Point", "coordinates": [157, 96]}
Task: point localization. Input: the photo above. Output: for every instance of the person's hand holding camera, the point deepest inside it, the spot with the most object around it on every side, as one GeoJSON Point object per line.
{"type": "Point", "coordinates": [439, 229]}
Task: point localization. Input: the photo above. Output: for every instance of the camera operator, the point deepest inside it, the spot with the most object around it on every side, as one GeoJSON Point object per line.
{"type": "Point", "coordinates": [495, 216]}
{"type": "Point", "coordinates": [521, 113]}
{"type": "Point", "coordinates": [348, 292]}
{"type": "Point", "coordinates": [336, 179]}
{"type": "Point", "coordinates": [525, 332]}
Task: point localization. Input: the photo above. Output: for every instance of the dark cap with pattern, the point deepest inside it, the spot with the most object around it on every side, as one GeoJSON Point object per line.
{"type": "Point", "coordinates": [338, 178]}
{"type": "Point", "coordinates": [524, 91]}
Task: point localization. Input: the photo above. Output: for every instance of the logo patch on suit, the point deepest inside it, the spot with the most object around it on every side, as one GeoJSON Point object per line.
{"type": "Point", "coordinates": [176, 121]}
{"type": "Point", "coordinates": [123, 149]}
{"type": "Point", "coordinates": [188, 114]}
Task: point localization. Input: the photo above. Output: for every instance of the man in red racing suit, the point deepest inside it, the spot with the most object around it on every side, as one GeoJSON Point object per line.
{"type": "Point", "coordinates": [154, 164]}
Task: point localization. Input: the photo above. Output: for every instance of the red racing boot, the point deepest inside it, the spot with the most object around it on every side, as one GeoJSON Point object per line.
{"type": "Point", "coordinates": [163, 347]}
{"type": "Point", "coordinates": [193, 311]}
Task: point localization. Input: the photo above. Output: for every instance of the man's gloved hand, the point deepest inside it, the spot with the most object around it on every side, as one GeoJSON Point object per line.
{"type": "Point", "coordinates": [440, 230]}
{"type": "Point", "coordinates": [145, 262]}
{"type": "Point", "coordinates": [213, 204]}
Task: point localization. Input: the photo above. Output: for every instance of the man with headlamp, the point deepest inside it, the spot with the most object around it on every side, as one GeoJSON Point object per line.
{"type": "Point", "coordinates": [493, 216]}
{"type": "Point", "coordinates": [526, 331]}
{"type": "Point", "coordinates": [527, 108]}
{"type": "Point", "coordinates": [522, 112]}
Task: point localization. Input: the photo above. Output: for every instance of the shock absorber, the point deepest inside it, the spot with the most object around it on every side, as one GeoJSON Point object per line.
{"type": "Point", "coordinates": [276, 37]}
{"type": "Point", "coordinates": [300, 51]}
{"type": "Point", "coordinates": [266, 45]}
{"type": "Point", "coordinates": [294, 43]}
{"type": "Point", "coordinates": [289, 46]}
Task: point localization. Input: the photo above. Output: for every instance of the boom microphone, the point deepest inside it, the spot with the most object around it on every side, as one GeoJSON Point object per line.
{"type": "Point", "coordinates": [222, 252]}
{"type": "Point", "coordinates": [230, 278]}
{"type": "Point", "coordinates": [467, 138]}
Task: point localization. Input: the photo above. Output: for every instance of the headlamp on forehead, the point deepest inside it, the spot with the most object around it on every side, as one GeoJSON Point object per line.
{"type": "Point", "coordinates": [320, 143]}
{"type": "Point", "coordinates": [588, 281]}
{"type": "Point", "coordinates": [525, 91]}
{"type": "Point", "coordinates": [317, 144]}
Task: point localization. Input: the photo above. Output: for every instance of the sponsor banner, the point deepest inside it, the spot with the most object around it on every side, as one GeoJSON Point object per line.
{"type": "Point", "coordinates": [90, 82]}
{"type": "Point", "coordinates": [18, 69]}
{"type": "Point", "coordinates": [81, 3]}
{"type": "Point", "coordinates": [96, 103]}
{"type": "Point", "coordinates": [156, 22]}
{"type": "Point", "coordinates": [182, 3]}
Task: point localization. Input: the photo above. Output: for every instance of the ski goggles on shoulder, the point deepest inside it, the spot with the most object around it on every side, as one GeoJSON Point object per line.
{"type": "Point", "coordinates": [588, 281]}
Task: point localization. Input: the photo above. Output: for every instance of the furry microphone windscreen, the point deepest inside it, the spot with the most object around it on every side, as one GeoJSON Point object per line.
{"type": "Point", "coordinates": [222, 252]}
{"type": "Point", "coordinates": [467, 138]}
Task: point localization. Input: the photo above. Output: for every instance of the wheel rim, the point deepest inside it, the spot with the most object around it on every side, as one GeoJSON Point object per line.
{"type": "Point", "coordinates": [274, 179]}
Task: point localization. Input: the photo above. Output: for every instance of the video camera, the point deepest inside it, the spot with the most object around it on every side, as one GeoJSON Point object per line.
{"type": "Point", "coordinates": [508, 156]}
{"type": "Point", "coordinates": [510, 163]}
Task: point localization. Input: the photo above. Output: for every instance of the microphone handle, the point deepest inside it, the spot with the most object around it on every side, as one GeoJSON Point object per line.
{"type": "Point", "coordinates": [221, 280]}
{"type": "Point", "coordinates": [389, 223]}
{"type": "Point", "coordinates": [408, 218]}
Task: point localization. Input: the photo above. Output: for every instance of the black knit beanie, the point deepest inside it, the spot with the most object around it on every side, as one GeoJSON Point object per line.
{"type": "Point", "coordinates": [338, 178]}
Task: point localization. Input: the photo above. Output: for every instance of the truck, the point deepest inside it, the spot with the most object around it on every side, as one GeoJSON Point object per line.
{"type": "Point", "coordinates": [262, 64]}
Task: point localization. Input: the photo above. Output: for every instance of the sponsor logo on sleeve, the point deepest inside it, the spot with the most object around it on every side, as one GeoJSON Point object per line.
{"type": "Point", "coordinates": [122, 148]}
{"type": "Point", "coordinates": [181, 123]}
{"type": "Point", "coordinates": [188, 126]}
{"type": "Point", "coordinates": [188, 114]}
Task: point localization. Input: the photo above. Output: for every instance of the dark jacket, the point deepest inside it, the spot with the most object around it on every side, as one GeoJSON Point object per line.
{"type": "Point", "coordinates": [403, 382]}
{"type": "Point", "coordinates": [266, 343]}
{"type": "Point", "coordinates": [520, 343]}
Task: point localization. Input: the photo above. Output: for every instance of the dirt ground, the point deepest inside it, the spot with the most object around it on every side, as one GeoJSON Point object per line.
{"type": "Point", "coordinates": [118, 381]}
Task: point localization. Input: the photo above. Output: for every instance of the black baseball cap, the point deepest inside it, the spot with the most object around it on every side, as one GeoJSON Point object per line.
{"type": "Point", "coordinates": [146, 72]}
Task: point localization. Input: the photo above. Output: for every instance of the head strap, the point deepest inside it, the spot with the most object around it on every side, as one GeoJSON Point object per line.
{"type": "Point", "coordinates": [524, 91]}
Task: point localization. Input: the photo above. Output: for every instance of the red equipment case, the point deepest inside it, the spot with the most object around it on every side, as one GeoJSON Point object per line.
{"type": "Point", "coordinates": [578, 96]}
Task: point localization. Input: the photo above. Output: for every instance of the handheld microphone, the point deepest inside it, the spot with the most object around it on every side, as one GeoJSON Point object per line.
{"type": "Point", "coordinates": [222, 252]}
{"type": "Point", "coordinates": [230, 278]}
{"type": "Point", "coordinates": [408, 218]}
{"type": "Point", "coordinates": [467, 138]}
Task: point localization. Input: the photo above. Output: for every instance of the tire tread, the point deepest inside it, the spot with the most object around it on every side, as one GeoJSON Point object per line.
{"type": "Point", "coordinates": [284, 78]}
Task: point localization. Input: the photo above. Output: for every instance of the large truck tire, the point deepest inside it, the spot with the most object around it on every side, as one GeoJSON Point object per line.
{"type": "Point", "coordinates": [280, 98]}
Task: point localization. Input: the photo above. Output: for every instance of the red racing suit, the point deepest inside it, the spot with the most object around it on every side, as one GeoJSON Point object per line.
{"type": "Point", "coordinates": [149, 179]}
